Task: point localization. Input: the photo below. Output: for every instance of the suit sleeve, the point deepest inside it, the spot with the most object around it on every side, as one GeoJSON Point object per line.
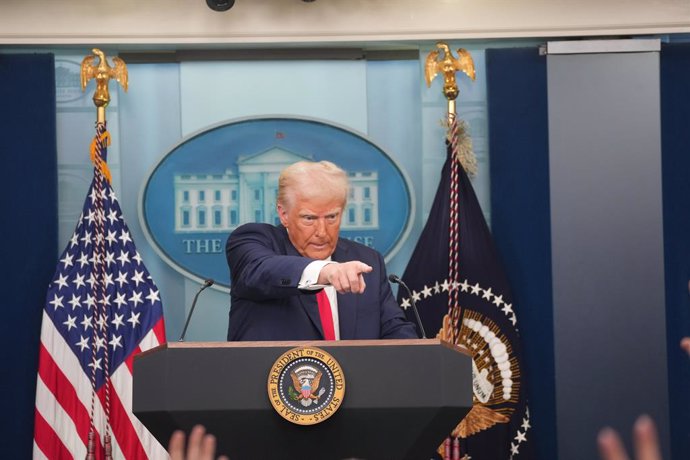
{"type": "Point", "coordinates": [394, 325]}
{"type": "Point", "coordinates": [259, 267]}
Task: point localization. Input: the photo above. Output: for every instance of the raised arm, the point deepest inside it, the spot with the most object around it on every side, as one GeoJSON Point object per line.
{"type": "Point", "coordinates": [262, 265]}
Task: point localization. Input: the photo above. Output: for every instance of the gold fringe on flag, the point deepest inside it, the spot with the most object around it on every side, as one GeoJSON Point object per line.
{"type": "Point", "coordinates": [463, 149]}
{"type": "Point", "coordinates": [101, 138]}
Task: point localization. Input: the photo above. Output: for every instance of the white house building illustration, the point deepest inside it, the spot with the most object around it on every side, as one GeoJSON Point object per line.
{"type": "Point", "coordinates": [222, 202]}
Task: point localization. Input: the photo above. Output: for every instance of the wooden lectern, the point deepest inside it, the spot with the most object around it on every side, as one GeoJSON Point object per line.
{"type": "Point", "coordinates": [402, 398]}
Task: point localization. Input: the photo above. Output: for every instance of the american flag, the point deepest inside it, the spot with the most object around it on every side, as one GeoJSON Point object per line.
{"type": "Point", "coordinates": [102, 308]}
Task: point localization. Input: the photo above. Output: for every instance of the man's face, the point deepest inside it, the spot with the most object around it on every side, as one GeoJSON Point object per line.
{"type": "Point", "coordinates": [312, 224]}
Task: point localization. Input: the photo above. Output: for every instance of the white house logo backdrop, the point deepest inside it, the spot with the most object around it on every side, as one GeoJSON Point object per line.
{"type": "Point", "coordinates": [226, 176]}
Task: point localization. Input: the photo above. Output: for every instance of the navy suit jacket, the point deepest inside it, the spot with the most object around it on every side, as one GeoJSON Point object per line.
{"type": "Point", "coordinates": [265, 269]}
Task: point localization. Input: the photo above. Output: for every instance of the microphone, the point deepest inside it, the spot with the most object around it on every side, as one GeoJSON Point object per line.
{"type": "Point", "coordinates": [207, 283]}
{"type": "Point", "coordinates": [396, 279]}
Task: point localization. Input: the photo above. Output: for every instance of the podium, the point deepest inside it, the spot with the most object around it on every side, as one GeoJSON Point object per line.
{"type": "Point", "coordinates": [402, 398]}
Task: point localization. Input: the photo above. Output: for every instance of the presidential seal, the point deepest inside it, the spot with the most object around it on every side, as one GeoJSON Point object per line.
{"type": "Point", "coordinates": [306, 385]}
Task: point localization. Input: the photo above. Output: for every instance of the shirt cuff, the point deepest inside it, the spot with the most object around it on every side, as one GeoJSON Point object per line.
{"type": "Point", "coordinates": [310, 275]}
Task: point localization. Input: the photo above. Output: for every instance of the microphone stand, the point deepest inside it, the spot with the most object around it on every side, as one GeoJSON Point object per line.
{"type": "Point", "coordinates": [396, 279]}
{"type": "Point", "coordinates": [206, 284]}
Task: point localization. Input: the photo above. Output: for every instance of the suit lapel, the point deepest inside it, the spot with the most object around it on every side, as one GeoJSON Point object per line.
{"type": "Point", "coordinates": [347, 303]}
{"type": "Point", "coordinates": [307, 301]}
{"type": "Point", "coordinates": [311, 307]}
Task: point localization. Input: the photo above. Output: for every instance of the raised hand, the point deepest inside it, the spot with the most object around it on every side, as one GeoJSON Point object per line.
{"type": "Point", "coordinates": [645, 439]}
{"type": "Point", "coordinates": [200, 446]}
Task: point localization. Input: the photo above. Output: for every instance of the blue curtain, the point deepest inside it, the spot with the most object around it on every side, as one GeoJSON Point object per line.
{"type": "Point", "coordinates": [28, 233]}
{"type": "Point", "coordinates": [520, 217]}
{"type": "Point", "coordinates": [675, 164]}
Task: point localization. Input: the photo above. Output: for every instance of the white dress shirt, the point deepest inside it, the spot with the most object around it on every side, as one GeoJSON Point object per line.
{"type": "Point", "coordinates": [308, 282]}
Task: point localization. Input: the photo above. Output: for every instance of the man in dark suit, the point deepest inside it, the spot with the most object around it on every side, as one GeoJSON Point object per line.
{"type": "Point", "coordinates": [299, 280]}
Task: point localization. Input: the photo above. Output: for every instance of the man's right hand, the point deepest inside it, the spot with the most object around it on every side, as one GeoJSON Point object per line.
{"type": "Point", "coordinates": [346, 277]}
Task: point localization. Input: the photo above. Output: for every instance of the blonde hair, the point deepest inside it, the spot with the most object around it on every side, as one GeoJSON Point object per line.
{"type": "Point", "coordinates": [312, 179]}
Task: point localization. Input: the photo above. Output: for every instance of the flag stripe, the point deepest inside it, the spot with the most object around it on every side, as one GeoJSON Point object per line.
{"type": "Point", "coordinates": [139, 439]}
{"type": "Point", "coordinates": [123, 431]}
{"type": "Point", "coordinates": [38, 454]}
{"type": "Point", "coordinates": [159, 331]}
{"type": "Point", "coordinates": [151, 340]}
{"type": "Point", "coordinates": [47, 441]}
{"type": "Point", "coordinates": [122, 435]}
{"type": "Point", "coordinates": [75, 400]}
{"type": "Point", "coordinates": [54, 389]}
{"type": "Point", "coordinates": [122, 380]}
{"type": "Point", "coordinates": [128, 432]}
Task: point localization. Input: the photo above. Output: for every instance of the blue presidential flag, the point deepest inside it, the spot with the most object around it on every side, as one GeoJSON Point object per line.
{"type": "Point", "coordinates": [462, 291]}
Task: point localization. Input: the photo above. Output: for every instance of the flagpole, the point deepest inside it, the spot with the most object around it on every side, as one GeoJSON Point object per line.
{"type": "Point", "coordinates": [460, 146]}
{"type": "Point", "coordinates": [102, 72]}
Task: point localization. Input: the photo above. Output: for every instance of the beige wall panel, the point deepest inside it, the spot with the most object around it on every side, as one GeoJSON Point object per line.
{"type": "Point", "coordinates": [180, 22]}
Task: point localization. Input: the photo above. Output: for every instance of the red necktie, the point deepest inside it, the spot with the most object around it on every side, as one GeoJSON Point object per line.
{"type": "Point", "coordinates": [326, 315]}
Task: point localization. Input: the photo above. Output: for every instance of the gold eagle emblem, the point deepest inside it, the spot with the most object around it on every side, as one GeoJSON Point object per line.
{"type": "Point", "coordinates": [478, 419]}
{"type": "Point", "coordinates": [305, 387]}
{"type": "Point", "coordinates": [102, 72]}
{"type": "Point", "coordinates": [448, 65]}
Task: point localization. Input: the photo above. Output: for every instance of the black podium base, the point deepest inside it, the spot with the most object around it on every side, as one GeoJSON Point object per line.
{"type": "Point", "coordinates": [402, 398]}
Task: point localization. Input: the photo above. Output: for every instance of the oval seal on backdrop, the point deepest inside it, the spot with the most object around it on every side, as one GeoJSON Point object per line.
{"type": "Point", "coordinates": [227, 175]}
{"type": "Point", "coordinates": [306, 385]}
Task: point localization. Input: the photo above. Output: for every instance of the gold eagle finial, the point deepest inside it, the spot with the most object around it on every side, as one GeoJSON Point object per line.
{"type": "Point", "coordinates": [102, 72]}
{"type": "Point", "coordinates": [448, 64]}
